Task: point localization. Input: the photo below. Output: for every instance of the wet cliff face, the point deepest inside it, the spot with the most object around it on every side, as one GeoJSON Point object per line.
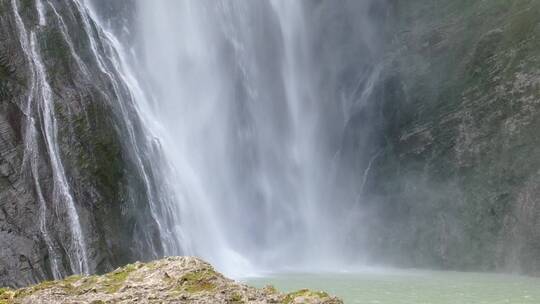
{"type": "Point", "coordinates": [440, 148]}
{"type": "Point", "coordinates": [62, 146]}
{"type": "Point", "coordinates": [456, 185]}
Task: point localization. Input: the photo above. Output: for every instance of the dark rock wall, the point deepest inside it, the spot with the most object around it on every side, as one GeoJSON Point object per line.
{"type": "Point", "coordinates": [457, 183]}
{"type": "Point", "coordinates": [103, 176]}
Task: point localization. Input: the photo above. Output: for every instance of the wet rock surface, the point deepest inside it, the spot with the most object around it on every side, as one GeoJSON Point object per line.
{"type": "Point", "coordinates": [458, 166]}
{"type": "Point", "coordinates": [82, 122]}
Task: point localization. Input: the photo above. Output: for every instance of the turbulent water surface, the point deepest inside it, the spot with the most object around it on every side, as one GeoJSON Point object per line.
{"type": "Point", "coordinates": [414, 287]}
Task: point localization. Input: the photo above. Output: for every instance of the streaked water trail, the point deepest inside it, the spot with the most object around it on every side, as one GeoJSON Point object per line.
{"type": "Point", "coordinates": [61, 192]}
{"type": "Point", "coordinates": [39, 108]}
{"type": "Point", "coordinates": [41, 13]}
{"type": "Point", "coordinates": [129, 93]}
{"type": "Point", "coordinates": [67, 39]}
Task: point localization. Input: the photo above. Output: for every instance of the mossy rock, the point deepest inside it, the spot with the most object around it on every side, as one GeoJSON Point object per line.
{"type": "Point", "coordinates": [199, 281]}
{"type": "Point", "coordinates": [171, 280]}
{"type": "Point", "coordinates": [308, 296]}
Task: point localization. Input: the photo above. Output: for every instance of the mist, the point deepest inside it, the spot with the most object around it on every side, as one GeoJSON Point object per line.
{"type": "Point", "coordinates": [249, 104]}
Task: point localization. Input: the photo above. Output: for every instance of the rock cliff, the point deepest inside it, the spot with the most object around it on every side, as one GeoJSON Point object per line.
{"type": "Point", "coordinates": [64, 147]}
{"type": "Point", "coordinates": [455, 183]}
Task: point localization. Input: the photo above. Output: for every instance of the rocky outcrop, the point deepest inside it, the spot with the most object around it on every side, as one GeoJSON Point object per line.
{"type": "Point", "coordinates": [171, 280]}
{"type": "Point", "coordinates": [455, 183]}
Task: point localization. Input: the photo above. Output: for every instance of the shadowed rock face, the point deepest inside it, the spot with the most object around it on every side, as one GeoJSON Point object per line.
{"type": "Point", "coordinates": [456, 184]}
{"type": "Point", "coordinates": [171, 280]}
{"type": "Point", "coordinates": [82, 118]}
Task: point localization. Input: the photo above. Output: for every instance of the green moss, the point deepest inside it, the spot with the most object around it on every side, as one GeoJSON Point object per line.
{"type": "Point", "coordinates": [6, 295]}
{"type": "Point", "coordinates": [153, 265]}
{"type": "Point", "coordinates": [198, 281]}
{"type": "Point", "coordinates": [115, 280]}
{"type": "Point", "coordinates": [25, 292]}
{"type": "Point", "coordinates": [72, 279]}
{"type": "Point", "coordinates": [69, 285]}
{"type": "Point", "coordinates": [4, 291]}
{"type": "Point", "coordinates": [270, 289]}
{"type": "Point", "coordinates": [76, 285]}
{"type": "Point", "coordinates": [85, 284]}
{"type": "Point", "coordinates": [236, 298]}
{"type": "Point", "coordinates": [289, 298]}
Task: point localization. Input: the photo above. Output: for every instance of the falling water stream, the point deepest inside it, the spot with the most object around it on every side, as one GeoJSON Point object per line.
{"type": "Point", "coordinates": [231, 96]}
{"type": "Point", "coordinates": [236, 101]}
{"type": "Point", "coordinates": [40, 110]}
{"type": "Point", "coordinates": [233, 117]}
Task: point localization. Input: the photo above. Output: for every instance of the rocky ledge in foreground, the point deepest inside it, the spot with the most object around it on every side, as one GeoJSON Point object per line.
{"type": "Point", "coordinates": [171, 280]}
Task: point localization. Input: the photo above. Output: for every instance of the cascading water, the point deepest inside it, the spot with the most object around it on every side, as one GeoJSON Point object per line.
{"type": "Point", "coordinates": [40, 111]}
{"type": "Point", "coordinates": [233, 114]}
{"type": "Point", "coordinates": [245, 102]}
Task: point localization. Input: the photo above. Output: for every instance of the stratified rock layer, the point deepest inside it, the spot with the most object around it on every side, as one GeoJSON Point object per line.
{"type": "Point", "coordinates": [171, 280]}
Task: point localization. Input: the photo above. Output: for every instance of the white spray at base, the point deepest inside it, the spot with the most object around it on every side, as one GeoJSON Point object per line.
{"type": "Point", "coordinates": [238, 102]}
{"type": "Point", "coordinates": [234, 94]}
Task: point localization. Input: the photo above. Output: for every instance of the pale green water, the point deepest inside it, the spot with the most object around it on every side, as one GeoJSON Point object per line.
{"type": "Point", "coordinates": [414, 287]}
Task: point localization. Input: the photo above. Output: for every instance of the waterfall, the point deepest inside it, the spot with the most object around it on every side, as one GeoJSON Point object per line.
{"type": "Point", "coordinates": [232, 113]}
{"type": "Point", "coordinates": [238, 123]}
{"type": "Point", "coordinates": [234, 96]}
{"type": "Point", "coordinates": [242, 98]}
{"type": "Point", "coordinates": [40, 110]}
{"type": "Point", "coordinates": [61, 192]}
{"type": "Point", "coordinates": [129, 94]}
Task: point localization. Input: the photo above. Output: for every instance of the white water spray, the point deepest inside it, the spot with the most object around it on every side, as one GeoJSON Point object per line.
{"type": "Point", "coordinates": [236, 101]}
{"type": "Point", "coordinates": [239, 112]}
